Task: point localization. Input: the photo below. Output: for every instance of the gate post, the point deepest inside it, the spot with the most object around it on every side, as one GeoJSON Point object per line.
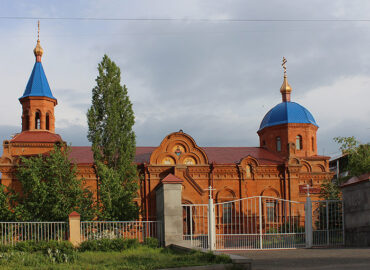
{"type": "Point", "coordinates": [211, 223]}
{"type": "Point", "coordinates": [308, 222]}
{"type": "Point", "coordinates": [169, 209]}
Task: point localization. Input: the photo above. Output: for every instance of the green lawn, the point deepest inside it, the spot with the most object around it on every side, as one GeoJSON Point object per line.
{"type": "Point", "coordinates": [137, 258]}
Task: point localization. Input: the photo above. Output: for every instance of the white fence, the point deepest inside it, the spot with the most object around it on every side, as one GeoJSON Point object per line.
{"type": "Point", "coordinates": [263, 223]}
{"type": "Point", "coordinates": [259, 223]}
{"type": "Point", "coordinates": [140, 230]}
{"type": "Point", "coordinates": [195, 224]}
{"type": "Point", "coordinates": [13, 232]}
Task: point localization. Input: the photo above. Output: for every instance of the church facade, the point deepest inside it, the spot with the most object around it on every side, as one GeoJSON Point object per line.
{"type": "Point", "coordinates": [282, 166]}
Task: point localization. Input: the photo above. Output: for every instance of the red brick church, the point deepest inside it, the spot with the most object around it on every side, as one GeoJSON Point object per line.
{"type": "Point", "coordinates": [284, 163]}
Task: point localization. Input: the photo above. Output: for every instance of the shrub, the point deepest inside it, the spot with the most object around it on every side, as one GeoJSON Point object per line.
{"type": "Point", "coordinates": [151, 242]}
{"type": "Point", "coordinates": [108, 244]}
{"type": "Point", "coordinates": [43, 246]}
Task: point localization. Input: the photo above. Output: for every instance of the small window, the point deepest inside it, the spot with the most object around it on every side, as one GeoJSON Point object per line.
{"type": "Point", "coordinates": [37, 121]}
{"type": "Point", "coordinates": [313, 143]}
{"type": "Point", "coordinates": [227, 213]}
{"type": "Point", "coordinates": [47, 121]}
{"type": "Point", "coordinates": [278, 144]}
{"type": "Point", "coordinates": [298, 142]}
{"type": "Point", "coordinates": [248, 171]}
{"type": "Point", "coordinates": [270, 211]}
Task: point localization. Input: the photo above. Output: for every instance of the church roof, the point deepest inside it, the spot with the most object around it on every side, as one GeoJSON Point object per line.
{"type": "Point", "coordinates": [219, 155]}
{"type": "Point", "coordinates": [37, 136]}
{"type": "Point", "coordinates": [285, 113]}
{"type": "Point", "coordinates": [38, 85]}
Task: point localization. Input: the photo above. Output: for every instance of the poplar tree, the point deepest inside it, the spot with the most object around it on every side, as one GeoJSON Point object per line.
{"type": "Point", "coordinates": [110, 121]}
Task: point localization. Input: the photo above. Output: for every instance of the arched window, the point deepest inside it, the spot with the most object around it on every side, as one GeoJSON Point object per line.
{"type": "Point", "coordinates": [313, 143]}
{"type": "Point", "coordinates": [278, 144]}
{"type": "Point", "coordinates": [37, 120]}
{"type": "Point", "coordinates": [298, 142]}
{"type": "Point", "coordinates": [47, 121]}
{"type": "Point", "coordinates": [248, 171]}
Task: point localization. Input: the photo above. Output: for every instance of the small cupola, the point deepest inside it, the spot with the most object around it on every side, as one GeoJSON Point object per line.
{"type": "Point", "coordinates": [37, 100]}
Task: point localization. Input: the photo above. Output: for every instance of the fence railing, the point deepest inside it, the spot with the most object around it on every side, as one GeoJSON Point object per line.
{"type": "Point", "coordinates": [195, 225]}
{"type": "Point", "coordinates": [328, 223]}
{"type": "Point", "coordinates": [13, 232]}
{"type": "Point", "coordinates": [140, 230]}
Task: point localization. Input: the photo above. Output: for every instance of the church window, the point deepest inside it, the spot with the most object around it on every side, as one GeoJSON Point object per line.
{"type": "Point", "coordinates": [298, 142]}
{"type": "Point", "coordinates": [248, 171]}
{"type": "Point", "coordinates": [278, 144]}
{"type": "Point", "coordinates": [270, 211]}
{"type": "Point", "coordinates": [168, 161]}
{"type": "Point", "coordinates": [37, 121]}
{"type": "Point", "coordinates": [47, 121]}
{"type": "Point", "coordinates": [227, 213]}
{"type": "Point", "coordinates": [313, 143]}
{"type": "Point", "coordinates": [26, 120]}
{"type": "Point", "coordinates": [189, 161]}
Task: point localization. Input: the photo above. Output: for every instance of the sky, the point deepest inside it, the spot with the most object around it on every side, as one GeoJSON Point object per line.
{"type": "Point", "coordinates": [202, 71]}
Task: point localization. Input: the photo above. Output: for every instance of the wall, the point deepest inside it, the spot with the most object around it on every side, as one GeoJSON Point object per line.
{"type": "Point", "coordinates": [357, 214]}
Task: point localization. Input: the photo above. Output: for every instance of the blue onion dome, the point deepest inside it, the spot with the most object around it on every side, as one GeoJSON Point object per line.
{"type": "Point", "coordinates": [285, 113]}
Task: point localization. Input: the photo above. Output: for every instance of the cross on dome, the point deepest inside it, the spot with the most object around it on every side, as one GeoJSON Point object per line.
{"type": "Point", "coordinates": [285, 88]}
{"type": "Point", "coordinates": [38, 51]}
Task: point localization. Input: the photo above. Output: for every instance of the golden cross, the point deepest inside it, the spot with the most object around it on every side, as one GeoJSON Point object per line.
{"type": "Point", "coordinates": [38, 30]}
{"type": "Point", "coordinates": [284, 66]}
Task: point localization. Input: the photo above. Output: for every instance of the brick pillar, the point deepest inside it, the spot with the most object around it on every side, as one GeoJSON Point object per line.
{"type": "Point", "coordinates": [75, 228]}
{"type": "Point", "coordinates": [169, 209]}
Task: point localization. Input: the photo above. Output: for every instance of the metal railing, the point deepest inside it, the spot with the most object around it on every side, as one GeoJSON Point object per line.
{"type": "Point", "coordinates": [259, 223]}
{"type": "Point", "coordinates": [327, 223]}
{"type": "Point", "coordinates": [13, 232]}
{"type": "Point", "coordinates": [195, 224]}
{"type": "Point", "coordinates": [140, 230]}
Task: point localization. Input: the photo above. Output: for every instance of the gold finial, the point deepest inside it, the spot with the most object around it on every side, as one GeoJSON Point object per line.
{"type": "Point", "coordinates": [284, 66]}
{"type": "Point", "coordinates": [285, 88]}
{"type": "Point", "coordinates": [38, 51]}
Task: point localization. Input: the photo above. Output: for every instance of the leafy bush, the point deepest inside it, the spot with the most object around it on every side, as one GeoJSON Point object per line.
{"type": "Point", "coordinates": [151, 242]}
{"type": "Point", "coordinates": [5, 248]}
{"type": "Point", "coordinates": [108, 244]}
{"type": "Point", "coordinates": [43, 246]}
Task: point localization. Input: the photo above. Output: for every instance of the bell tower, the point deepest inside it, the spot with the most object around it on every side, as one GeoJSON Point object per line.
{"type": "Point", "coordinates": [38, 101]}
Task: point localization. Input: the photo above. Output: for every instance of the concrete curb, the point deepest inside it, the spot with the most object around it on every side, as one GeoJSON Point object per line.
{"type": "Point", "coordinates": [238, 262]}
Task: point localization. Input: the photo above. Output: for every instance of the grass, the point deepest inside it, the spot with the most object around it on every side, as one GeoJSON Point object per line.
{"type": "Point", "coordinates": [137, 258]}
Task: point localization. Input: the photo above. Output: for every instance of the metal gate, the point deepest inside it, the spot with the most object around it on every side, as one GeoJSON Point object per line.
{"type": "Point", "coordinates": [327, 223]}
{"type": "Point", "coordinates": [263, 223]}
{"type": "Point", "coordinates": [259, 223]}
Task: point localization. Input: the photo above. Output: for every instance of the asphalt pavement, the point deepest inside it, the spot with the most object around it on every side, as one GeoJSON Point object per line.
{"type": "Point", "coordinates": [302, 259]}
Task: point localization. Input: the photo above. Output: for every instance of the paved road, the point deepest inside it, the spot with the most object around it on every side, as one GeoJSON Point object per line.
{"type": "Point", "coordinates": [302, 259]}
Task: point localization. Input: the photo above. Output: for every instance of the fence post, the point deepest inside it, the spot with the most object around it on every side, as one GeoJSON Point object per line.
{"type": "Point", "coordinates": [74, 228]}
{"type": "Point", "coordinates": [211, 225]}
{"type": "Point", "coordinates": [260, 220]}
{"type": "Point", "coordinates": [308, 222]}
{"type": "Point", "coordinates": [327, 223]}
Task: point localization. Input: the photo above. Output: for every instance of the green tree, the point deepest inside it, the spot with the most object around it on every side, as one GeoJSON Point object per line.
{"type": "Point", "coordinates": [5, 213]}
{"type": "Point", "coordinates": [111, 120]}
{"type": "Point", "coordinates": [358, 155]}
{"type": "Point", "coordinates": [358, 163]}
{"type": "Point", "coordinates": [50, 189]}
